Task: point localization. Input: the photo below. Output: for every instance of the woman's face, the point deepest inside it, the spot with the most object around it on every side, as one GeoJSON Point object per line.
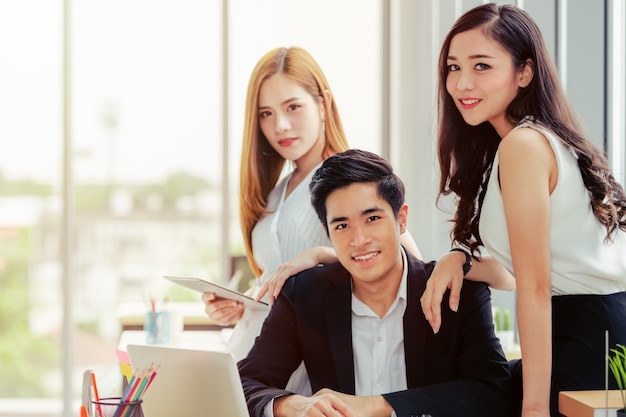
{"type": "Point", "coordinates": [291, 120]}
{"type": "Point", "coordinates": [482, 79]}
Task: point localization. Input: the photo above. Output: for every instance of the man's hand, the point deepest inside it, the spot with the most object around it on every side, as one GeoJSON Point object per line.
{"type": "Point", "coordinates": [360, 406]}
{"type": "Point", "coordinates": [320, 405]}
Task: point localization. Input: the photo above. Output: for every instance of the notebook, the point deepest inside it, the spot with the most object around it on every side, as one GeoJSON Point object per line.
{"type": "Point", "coordinates": [190, 383]}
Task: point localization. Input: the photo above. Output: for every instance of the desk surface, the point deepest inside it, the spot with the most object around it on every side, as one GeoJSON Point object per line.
{"type": "Point", "coordinates": [589, 403]}
{"type": "Point", "coordinates": [196, 339]}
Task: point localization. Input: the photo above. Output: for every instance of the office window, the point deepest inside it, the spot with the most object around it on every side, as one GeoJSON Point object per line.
{"type": "Point", "coordinates": [147, 166]}
{"type": "Point", "coordinates": [146, 140]}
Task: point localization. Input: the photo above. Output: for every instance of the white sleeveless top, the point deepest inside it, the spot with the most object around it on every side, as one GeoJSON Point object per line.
{"type": "Point", "coordinates": [581, 262]}
{"type": "Point", "coordinates": [290, 228]}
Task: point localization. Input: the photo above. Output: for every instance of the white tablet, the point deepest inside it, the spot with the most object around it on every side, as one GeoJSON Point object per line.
{"type": "Point", "coordinates": [219, 290]}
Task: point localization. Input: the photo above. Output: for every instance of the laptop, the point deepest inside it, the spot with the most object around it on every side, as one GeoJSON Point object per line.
{"type": "Point", "coordinates": [190, 383]}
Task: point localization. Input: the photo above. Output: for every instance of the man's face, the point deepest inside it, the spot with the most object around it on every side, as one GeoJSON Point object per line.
{"type": "Point", "coordinates": [365, 233]}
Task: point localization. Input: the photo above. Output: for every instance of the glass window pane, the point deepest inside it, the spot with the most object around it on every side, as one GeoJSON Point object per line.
{"type": "Point", "coordinates": [30, 178]}
{"type": "Point", "coordinates": [147, 166]}
{"type": "Point", "coordinates": [147, 154]}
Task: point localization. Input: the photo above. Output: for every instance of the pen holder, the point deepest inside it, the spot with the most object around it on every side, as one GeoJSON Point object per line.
{"type": "Point", "coordinates": [113, 407]}
{"type": "Point", "coordinates": [157, 325]}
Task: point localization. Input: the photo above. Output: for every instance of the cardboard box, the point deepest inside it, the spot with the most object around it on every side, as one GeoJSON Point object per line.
{"type": "Point", "coordinates": [589, 403]}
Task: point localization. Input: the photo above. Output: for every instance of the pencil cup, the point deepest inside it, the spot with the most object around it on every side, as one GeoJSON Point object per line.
{"type": "Point", "coordinates": [113, 407]}
{"type": "Point", "coordinates": [157, 325]}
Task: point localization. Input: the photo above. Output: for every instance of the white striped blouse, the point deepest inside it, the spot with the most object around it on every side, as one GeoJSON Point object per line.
{"type": "Point", "coordinates": [290, 228]}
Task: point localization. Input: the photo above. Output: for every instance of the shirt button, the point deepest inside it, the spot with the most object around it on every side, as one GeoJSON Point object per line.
{"type": "Point", "coordinates": [378, 380]}
{"type": "Point", "coordinates": [379, 338]}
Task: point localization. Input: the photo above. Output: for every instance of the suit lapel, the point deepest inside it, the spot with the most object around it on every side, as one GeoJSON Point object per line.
{"type": "Point", "coordinates": [339, 319]}
{"type": "Point", "coordinates": [415, 325]}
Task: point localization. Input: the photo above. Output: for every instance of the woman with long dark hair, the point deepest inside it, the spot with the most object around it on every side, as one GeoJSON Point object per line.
{"type": "Point", "coordinates": [535, 193]}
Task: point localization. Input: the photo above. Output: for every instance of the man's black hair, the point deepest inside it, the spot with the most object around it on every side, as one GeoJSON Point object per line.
{"type": "Point", "coordinates": [355, 166]}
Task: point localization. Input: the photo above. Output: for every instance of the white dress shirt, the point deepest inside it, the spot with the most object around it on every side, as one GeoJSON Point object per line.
{"type": "Point", "coordinates": [378, 345]}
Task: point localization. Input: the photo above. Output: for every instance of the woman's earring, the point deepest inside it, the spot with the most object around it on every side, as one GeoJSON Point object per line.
{"type": "Point", "coordinates": [323, 127]}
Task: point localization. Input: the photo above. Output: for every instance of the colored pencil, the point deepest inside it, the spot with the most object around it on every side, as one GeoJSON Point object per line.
{"type": "Point", "coordinates": [95, 391]}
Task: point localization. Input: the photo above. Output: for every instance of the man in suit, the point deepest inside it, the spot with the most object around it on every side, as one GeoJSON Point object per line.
{"type": "Point", "coordinates": [358, 326]}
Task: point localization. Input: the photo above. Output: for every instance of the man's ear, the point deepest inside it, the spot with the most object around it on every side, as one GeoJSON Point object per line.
{"type": "Point", "coordinates": [526, 74]}
{"type": "Point", "coordinates": [403, 215]}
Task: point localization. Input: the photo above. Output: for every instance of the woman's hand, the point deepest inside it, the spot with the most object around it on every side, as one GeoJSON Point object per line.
{"type": "Point", "coordinates": [222, 311]}
{"type": "Point", "coordinates": [307, 259]}
{"type": "Point", "coordinates": [447, 274]}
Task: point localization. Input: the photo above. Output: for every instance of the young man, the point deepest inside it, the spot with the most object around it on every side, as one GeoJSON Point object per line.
{"type": "Point", "coordinates": [357, 324]}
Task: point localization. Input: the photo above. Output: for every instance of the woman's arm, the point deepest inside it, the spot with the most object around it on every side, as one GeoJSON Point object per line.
{"type": "Point", "coordinates": [528, 175]}
{"type": "Point", "coordinates": [307, 259]}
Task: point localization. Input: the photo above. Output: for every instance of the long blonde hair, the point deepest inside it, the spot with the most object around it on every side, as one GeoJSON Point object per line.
{"type": "Point", "coordinates": [261, 165]}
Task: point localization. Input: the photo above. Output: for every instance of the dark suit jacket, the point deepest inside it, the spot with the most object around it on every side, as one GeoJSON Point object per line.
{"type": "Point", "coordinates": [460, 371]}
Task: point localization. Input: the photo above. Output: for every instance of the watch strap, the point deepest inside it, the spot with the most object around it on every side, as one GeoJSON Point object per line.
{"type": "Point", "coordinates": [468, 259]}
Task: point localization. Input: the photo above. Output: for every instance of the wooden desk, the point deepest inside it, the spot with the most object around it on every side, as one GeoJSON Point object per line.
{"type": "Point", "coordinates": [589, 403]}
